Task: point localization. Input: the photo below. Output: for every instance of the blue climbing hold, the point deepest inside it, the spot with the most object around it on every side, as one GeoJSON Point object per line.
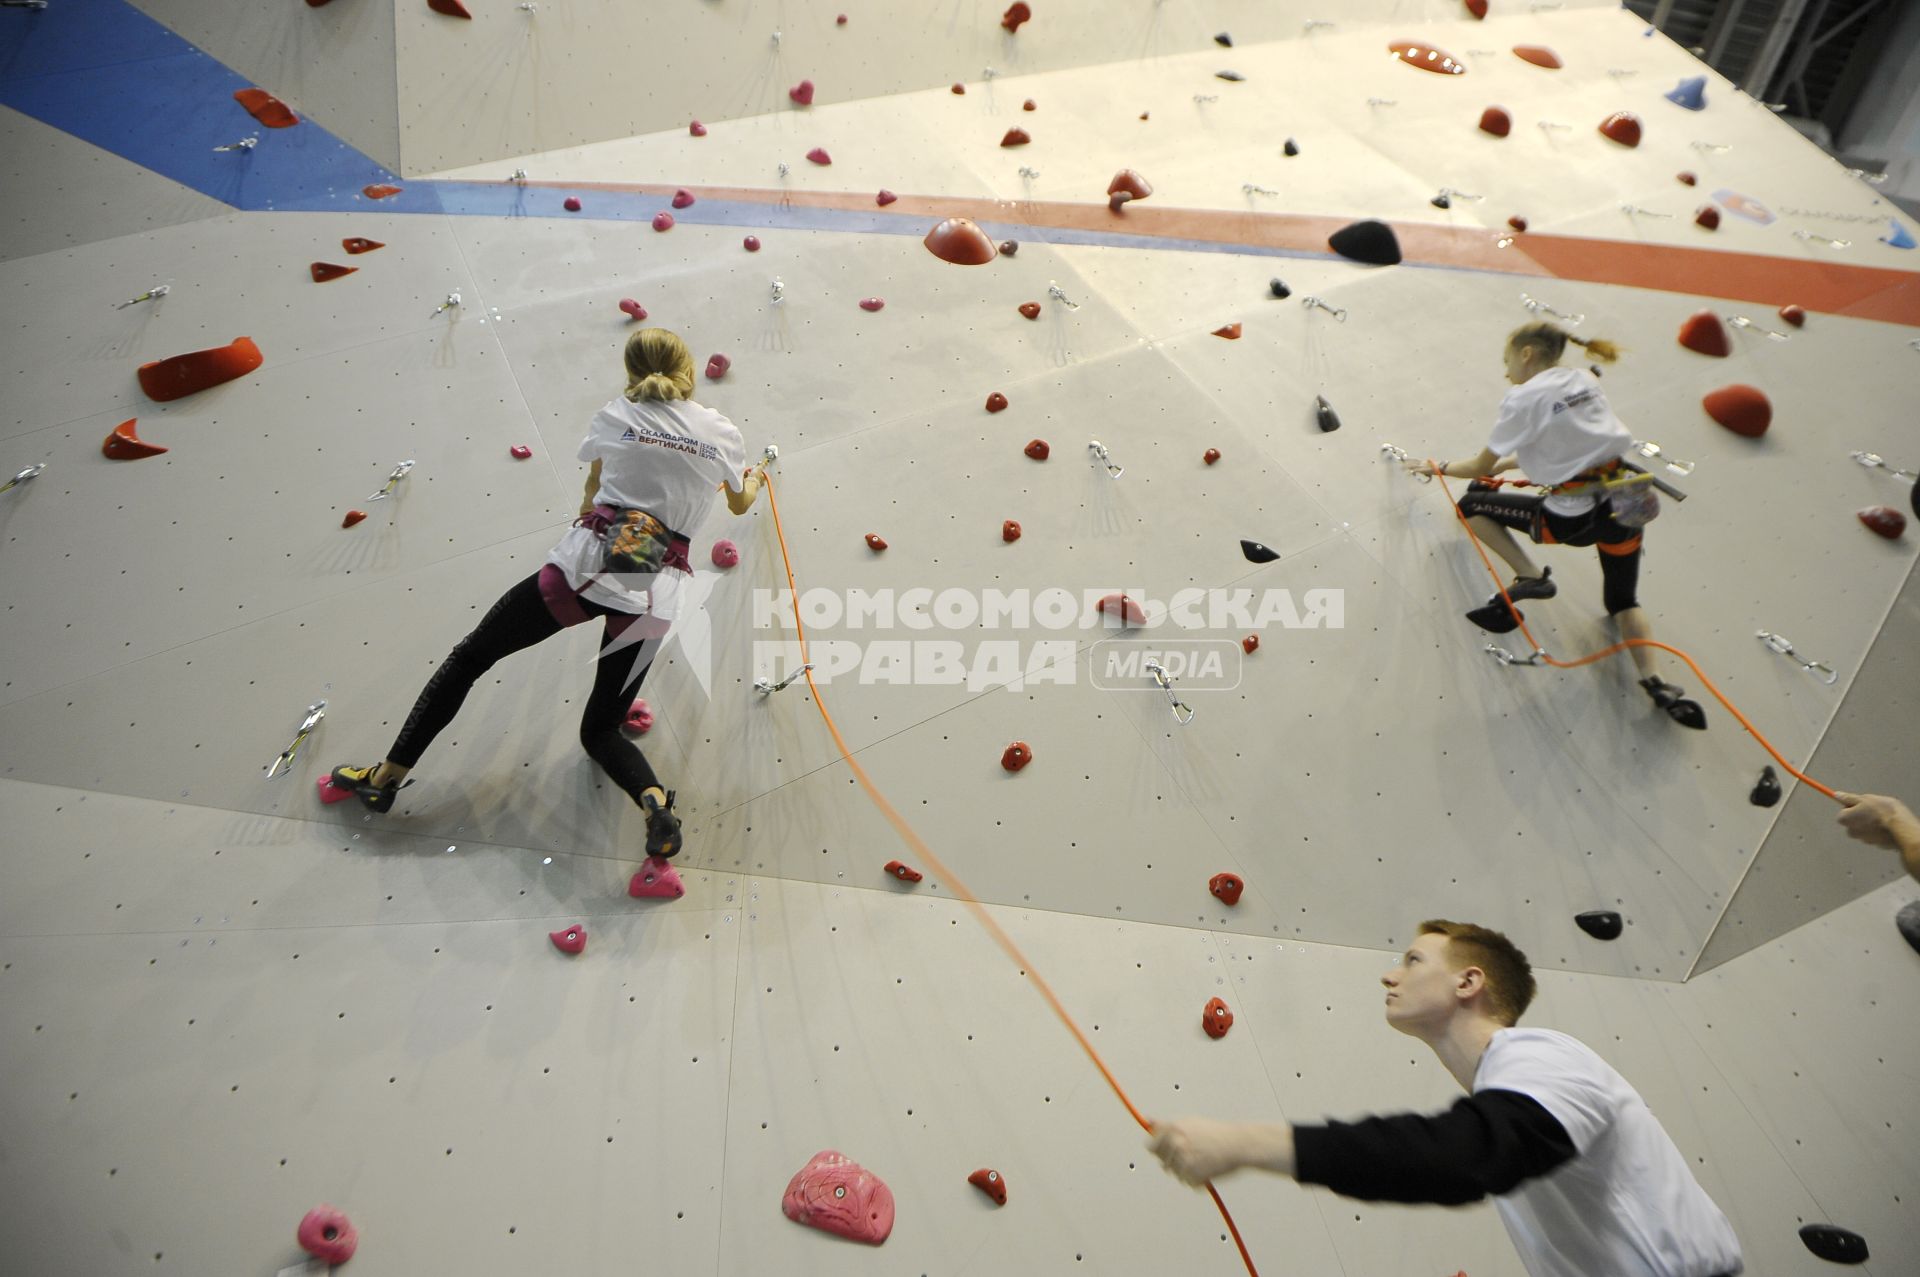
{"type": "Point", "coordinates": [1899, 236]}
{"type": "Point", "coordinates": [1690, 93]}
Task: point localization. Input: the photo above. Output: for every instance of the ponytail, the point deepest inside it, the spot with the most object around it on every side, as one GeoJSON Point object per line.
{"type": "Point", "coordinates": [1550, 340]}
{"type": "Point", "coordinates": [659, 366]}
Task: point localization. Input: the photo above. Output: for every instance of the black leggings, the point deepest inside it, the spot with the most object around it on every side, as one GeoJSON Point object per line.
{"type": "Point", "coordinates": [1618, 544]}
{"type": "Point", "coordinates": [519, 620]}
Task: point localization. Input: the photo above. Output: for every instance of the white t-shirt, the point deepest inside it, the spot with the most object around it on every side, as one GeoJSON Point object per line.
{"type": "Point", "coordinates": [664, 456]}
{"type": "Point", "coordinates": [1626, 1206]}
{"type": "Point", "coordinates": [1557, 423]}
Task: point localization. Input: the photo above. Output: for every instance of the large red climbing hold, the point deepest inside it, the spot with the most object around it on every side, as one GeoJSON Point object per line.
{"type": "Point", "coordinates": [1741, 409]}
{"type": "Point", "coordinates": [656, 880]}
{"type": "Point", "coordinates": [124, 445]}
{"type": "Point", "coordinates": [1230, 331]}
{"type": "Point", "coordinates": [182, 375]}
{"type": "Point", "coordinates": [819, 155]}
{"type": "Point", "coordinates": [266, 108]}
{"type": "Point", "coordinates": [986, 1179]}
{"type": "Point", "coordinates": [1030, 309]}
{"type": "Point", "coordinates": [1038, 449]}
{"type": "Point", "coordinates": [1704, 334]}
{"type": "Point", "coordinates": [452, 8]}
{"type": "Point", "coordinates": [1016, 14]}
{"type": "Point", "coordinates": [960, 241]}
{"type": "Point", "coordinates": [876, 542]}
{"type": "Point", "coordinates": [1426, 57]}
{"type": "Point", "coordinates": [379, 191]}
{"type": "Point", "coordinates": [1227, 887]}
{"type": "Point", "coordinates": [356, 244]}
{"type": "Point", "coordinates": [905, 873]}
{"type": "Point", "coordinates": [1884, 520]}
{"type": "Point", "coordinates": [802, 93]}
{"type": "Point", "coordinates": [996, 402]}
{"type": "Point", "coordinates": [1127, 185]}
{"type": "Point", "coordinates": [1009, 530]}
{"type": "Point", "coordinates": [324, 271]}
{"type": "Point", "coordinates": [569, 939]}
{"type": "Point", "coordinates": [1123, 610]}
{"type": "Point", "coordinates": [1016, 756]}
{"type": "Point", "coordinates": [1622, 127]}
{"type": "Point", "coordinates": [1496, 121]}
{"type": "Point", "coordinates": [328, 1235]}
{"type": "Point", "coordinates": [717, 366]}
{"type": "Point", "coordinates": [1538, 54]}
{"type": "Point", "coordinates": [836, 1195]}
{"type": "Point", "coordinates": [1216, 1019]}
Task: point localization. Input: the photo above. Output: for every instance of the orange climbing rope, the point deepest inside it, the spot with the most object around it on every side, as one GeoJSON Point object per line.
{"type": "Point", "coordinates": [913, 840]}
{"type": "Point", "coordinates": [1617, 647]}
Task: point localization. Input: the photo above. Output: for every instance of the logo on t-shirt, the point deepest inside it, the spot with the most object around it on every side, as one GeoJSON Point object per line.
{"type": "Point", "coordinates": [1558, 408]}
{"type": "Point", "coordinates": [630, 436]}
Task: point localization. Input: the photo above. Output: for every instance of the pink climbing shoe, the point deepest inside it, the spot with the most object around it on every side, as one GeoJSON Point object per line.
{"type": "Point", "coordinates": [657, 880]}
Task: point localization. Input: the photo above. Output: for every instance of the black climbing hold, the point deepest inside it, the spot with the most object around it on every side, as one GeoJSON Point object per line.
{"type": "Point", "coordinates": [1914, 500]}
{"type": "Point", "coordinates": [1836, 1244]}
{"type": "Point", "coordinates": [1228, 75]}
{"type": "Point", "coordinates": [1497, 618]}
{"type": "Point", "coordinates": [1291, 149]}
{"type": "Point", "coordinates": [1601, 924]}
{"type": "Point", "coordinates": [1224, 40]}
{"type": "Point", "coordinates": [1441, 201]}
{"type": "Point", "coordinates": [1908, 920]}
{"type": "Point", "coordinates": [1324, 414]}
{"type": "Point", "coordinates": [1369, 241]}
{"type": "Point", "coordinates": [1257, 553]}
{"type": "Point", "coordinates": [1767, 791]}
{"type": "Point", "coordinates": [1278, 287]}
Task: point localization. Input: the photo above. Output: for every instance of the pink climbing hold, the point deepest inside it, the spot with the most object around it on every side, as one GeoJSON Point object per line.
{"type": "Point", "coordinates": [520, 451]}
{"type": "Point", "coordinates": [717, 367]}
{"type": "Point", "coordinates": [569, 939]}
{"type": "Point", "coordinates": [697, 129]}
{"type": "Point", "coordinates": [663, 221]}
{"type": "Point", "coordinates": [802, 93]}
{"type": "Point", "coordinates": [885, 197]}
{"type": "Point", "coordinates": [1122, 609]}
{"type": "Point", "coordinates": [639, 718]}
{"type": "Point", "coordinates": [328, 1235]}
{"type": "Point", "coordinates": [751, 243]}
{"type": "Point", "coordinates": [837, 1195]}
{"type": "Point", "coordinates": [725, 554]}
{"type": "Point", "coordinates": [872, 303]}
{"type": "Point", "coordinates": [819, 155]}
{"type": "Point", "coordinates": [571, 203]}
{"type": "Point", "coordinates": [682, 198]}
{"type": "Point", "coordinates": [656, 880]}
{"type": "Point", "coordinates": [633, 309]}
{"type": "Point", "coordinates": [331, 793]}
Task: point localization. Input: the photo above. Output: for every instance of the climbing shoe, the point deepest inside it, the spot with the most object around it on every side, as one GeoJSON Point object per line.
{"type": "Point", "coordinates": [1681, 710]}
{"type": "Point", "coordinates": [358, 781]}
{"type": "Point", "coordinates": [1531, 587]}
{"type": "Point", "coordinates": [663, 827]}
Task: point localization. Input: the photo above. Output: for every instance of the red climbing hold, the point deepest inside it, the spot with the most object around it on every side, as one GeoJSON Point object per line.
{"type": "Point", "coordinates": [1038, 449]}
{"type": "Point", "coordinates": [124, 445]}
{"type": "Point", "coordinates": [1622, 127]}
{"type": "Point", "coordinates": [903, 872]}
{"type": "Point", "coordinates": [1518, 222]}
{"type": "Point", "coordinates": [1216, 1019]}
{"type": "Point", "coordinates": [379, 191]}
{"type": "Point", "coordinates": [725, 553]}
{"type": "Point", "coordinates": [328, 1235]}
{"type": "Point", "coordinates": [571, 203]}
{"type": "Point", "coordinates": [1008, 247]}
{"type": "Point", "coordinates": [1538, 54]}
{"type": "Point", "coordinates": [1227, 887]}
{"type": "Point", "coordinates": [1426, 57]}
{"type": "Point", "coordinates": [324, 271]}
{"type": "Point", "coordinates": [836, 1195]}
{"type": "Point", "coordinates": [996, 402]}
{"type": "Point", "coordinates": [1250, 644]}
{"type": "Point", "coordinates": [1230, 331]}
{"type": "Point", "coordinates": [1127, 185]}
{"type": "Point", "coordinates": [802, 93]}
{"type": "Point", "coordinates": [353, 517]}
{"type": "Point", "coordinates": [1741, 409]}
{"type": "Point", "coordinates": [1708, 216]}
{"type": "Point", "coordinates": [1795, 315]}
{"type": "Point", "coordinates": [182, 375]}
{"type": "Point", "coordinates": [1705, 334]}
{"type": "Point", "coordinates": [356, 244]}
{"type": "Point", "coordinates": [1015, 15]}
{"type": "Point", "coordinates": [683, 198]}
{"type": "Point", "coordinates": [639, 719]}
{"type": "Point", "coordinates": [1210, 456]}
{"type": "Point", "coordinates": [1029, 105]}
{"type": "Point", "coordinates": [1015, 137]}
{"type": "Point", "coordinates": [1016, 756]}
{"type": "Point", "coordinates": [452, 8]}
{"type": "Point", "coordinates": [663, 221]}
{"type": "Point", "coordinates": [697, 129]}
{"type": "Point", "coordinates": [1124, 610]}
{"type": "Point", "coordinates": [876, 542]}
{"type": "Point", "coordinates": [656, 880]}
{"type": "Point", "coordinates": [872, 303]}
{"type": "Point", "coordinates": [1496, 121]}
{"type": "Point", "coordinates": [1030, 309]}
{"type": "Point", "coordinates": [960, 241]}
{"type": "Point", "coordinates": [520, 452]}
{"type": "Point", "coordinates": [1478, 8]}
{"type": "Point", "coordinates": [1009, 531]}
{"type": "Point", "coordinates": [885, 197]}
{"type": "Point", "coordinates": [986, 1180]}
{"type": "Point", "coordinates": [634, 310]}
{"type": "Point", "coordinates": [1885, 520]}
{"type": "Point", "coordinates": [569, 939]}
{"type": "Point", "coordinates": [717, 366]}
{"type": "Point", "coordinates": [1687, 178]}
{"type": "Point", "coordinates": [959, 90]}
{"type": "Point", "coordinates": [840, 21]}
{"type": "Point", "coordinates": [819, 155]}
{"type": "Point", "coordinates": [266, 108]}
{"type": "Point", "coordinates": [751, 243]}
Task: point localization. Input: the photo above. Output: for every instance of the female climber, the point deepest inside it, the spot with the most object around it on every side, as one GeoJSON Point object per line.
{"type": "Point", "coordinates": [657, 458]}
{"type": "Point", "coordinates": [1555, 425]}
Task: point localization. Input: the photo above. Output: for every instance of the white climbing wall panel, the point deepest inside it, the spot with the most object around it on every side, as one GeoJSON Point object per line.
{"type": "Point", "coordinates": [479, 1103]}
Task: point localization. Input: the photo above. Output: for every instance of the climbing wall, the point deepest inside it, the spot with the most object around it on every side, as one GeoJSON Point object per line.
{"type": "Point", "coordinates": [324, 1005]}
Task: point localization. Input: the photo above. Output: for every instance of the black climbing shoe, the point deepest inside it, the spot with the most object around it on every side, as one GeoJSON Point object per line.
{"type": "Point", "coordinates": [358, 781]}
{"type": "Point", "coordinates": [1908, 920]}
{"type": "Point", "coordinates": [1531, 587]}
{"type": "Point", "coordinates": [663, 827]}
{"type": "Point", "coordinates": [1681, 710]}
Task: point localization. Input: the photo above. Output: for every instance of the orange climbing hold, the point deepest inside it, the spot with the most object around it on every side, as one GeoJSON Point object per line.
{"type": "Point", "coordinates": [182, 375]}
{"type": "Point", "coordinates": [1014, 16]}
{"type": "Point", "coordinates": [1622, 127]}
{"type": "Point", "coordinates": [1030, 309]}
{"type": "Point", "coordinates": [1227, 887]}
{"type": "Point", "coordinates": [379, 191]}
{"type": "Point", "coordinates": [1010, 531]}
{"type": "Point", "coordinates": [904, 873]}
{"type": "Point", "coordinates": [356, 244]}
{"type": "Point", "coordinates": [1741, 409]}
{"type": "Point", "coordinates": [1496, 121]}
{"type": "Point", "coordinates": [266, 108]}
{"type": "Point", "coordinates": [1015, 137]}
{"type": "Point", "coordinates": [353, 517]}
{"type": "Point", "coordinates": [1795, 315]}
{"type": "Point", "coordinates": [124, 445]}
{"type": "Point", "coordinates": [960, 241]}
{"type": "Point", "coordinates": [1016, 756]}
{"type": "Point", "coordinates": [876, 542]}
{"type": "Point", "coordinates": [1125, 610]}
{"type": "Point", "coordinates": [452, 8]}
{"type": "Point", "coordinates": [1538, 54]}
{"type": "Point", "coordinates": [1230, 331]}
{"type": "Point", "coordinates": [1426, 57]}
{"type": "Point", "coordinates": [1127, 185]}
{"type": "Point", "coordinates": [986, 1179]}
{"type": "Point", "coordinates": [996, 402]}
{"type": "Point", "coordinates": [324, 271]}
{"type": "Point", "coordinates": [1704, 334]}
{"type": "Point", "coordinates": [1216, 1019]}
{"type": "Point", "coordinates": [1038, 449]}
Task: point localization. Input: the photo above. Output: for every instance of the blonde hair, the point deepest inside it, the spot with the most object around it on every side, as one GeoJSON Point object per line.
{"type": "Point", "coordinates": [1551, 341]}
{"type": "Point", "coordinates": [1510, 984]}
{"type": "Point", "coordinates": [659, 366]}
